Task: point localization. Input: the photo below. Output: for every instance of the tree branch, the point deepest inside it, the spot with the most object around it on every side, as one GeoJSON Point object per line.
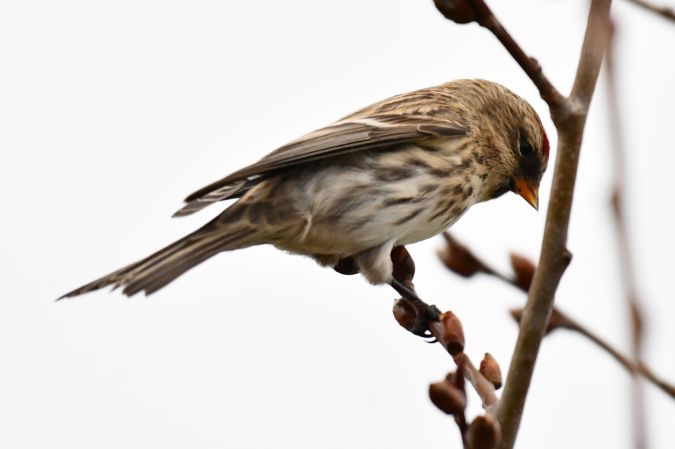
{"type": "Point", "coordinates": [634, 367]}
{"type": "Point", "coordinates": [569, 117]}
{"type": "Point", "coordinates": [554, 256]}
{"type": "Point", "coordinates": [487, 19]}
{"type": "Point", "coordinates": [663, 11]}
{"type": "Point", "coordinates": [637, 408]}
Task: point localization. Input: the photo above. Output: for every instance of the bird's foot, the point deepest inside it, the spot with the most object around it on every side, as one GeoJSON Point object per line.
{"type": "Point", "coordinates": [424, 313]}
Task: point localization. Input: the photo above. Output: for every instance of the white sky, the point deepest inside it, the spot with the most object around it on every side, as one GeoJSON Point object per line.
{"type": "Point", "coordinates": [111, 112]}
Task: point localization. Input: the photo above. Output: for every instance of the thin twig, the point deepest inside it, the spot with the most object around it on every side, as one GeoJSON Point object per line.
{"type": "Point", "coordinates": [487, 19]}
{"type": "Point", "coordinates": [663, 11]}
{"type": "Point", "coordinates": [625, 257]}
{"type": "Point", "coordinates": [560, 320]}
{"type": "Point", "coordinates": [636, 368]}
{"type": "Point", "coordinates": [485, 389]}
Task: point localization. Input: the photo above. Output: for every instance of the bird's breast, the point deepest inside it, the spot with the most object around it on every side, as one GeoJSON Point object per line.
{"type": "Point", "coordinates": [403, 196]}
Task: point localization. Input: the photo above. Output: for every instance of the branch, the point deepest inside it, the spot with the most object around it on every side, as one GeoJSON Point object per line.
{"type": "Point", "coordinates": [623, 243]}
{"type": "Point", "coordinates": [529, 64]}
{"type": "Point", "coordinates": [663, 11]}
{"type": "Point", "coordinates": [570, 119]}
{"type": "Point", "coordinates": [449, 395]}
{"type": "Point", "coordinates": [559, 320]}
{"type": "Point", "coordinates": [465, 11]}
{"type": "Point", "coordinates": [569, 116]}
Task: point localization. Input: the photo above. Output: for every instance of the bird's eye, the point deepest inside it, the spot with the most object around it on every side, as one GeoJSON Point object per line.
{"type": "Point", "coordinates": [525, 147]}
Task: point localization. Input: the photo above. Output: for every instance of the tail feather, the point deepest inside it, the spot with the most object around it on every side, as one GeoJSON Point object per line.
{"type": "Point", "coordinates": [159, 269]}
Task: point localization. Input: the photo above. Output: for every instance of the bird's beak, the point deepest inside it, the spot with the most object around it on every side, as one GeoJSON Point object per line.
{"type": "Point", "coordinates": [525, 189]}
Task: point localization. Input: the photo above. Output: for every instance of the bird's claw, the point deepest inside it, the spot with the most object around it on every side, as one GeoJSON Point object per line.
{"type": "Point", "coordinates": [425, 314]}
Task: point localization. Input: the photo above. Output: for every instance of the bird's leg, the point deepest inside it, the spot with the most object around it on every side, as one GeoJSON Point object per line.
{"type": "Point", "coordinates": [404, 270]}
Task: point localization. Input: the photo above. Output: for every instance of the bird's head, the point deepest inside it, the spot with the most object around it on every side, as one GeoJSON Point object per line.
{"type": "Point", "coordinates": [524, 158]}
{"type": "Point", "coordinates": [511, 140]}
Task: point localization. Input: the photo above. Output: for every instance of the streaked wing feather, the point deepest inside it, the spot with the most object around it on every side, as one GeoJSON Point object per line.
{"type": "Point", "coordinates": [338, 139]}
{"type": "Point", "coordinates": [364, 130]}
{"type": "Point", "coordinates": [342, 138]}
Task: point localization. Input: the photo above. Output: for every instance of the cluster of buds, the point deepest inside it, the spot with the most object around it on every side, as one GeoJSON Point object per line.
{"type": "Point", "coordinates": [449, 395]}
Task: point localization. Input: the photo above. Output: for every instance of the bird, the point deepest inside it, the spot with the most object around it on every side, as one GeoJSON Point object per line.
{"type": "Point", "coordinates": [396, 172]}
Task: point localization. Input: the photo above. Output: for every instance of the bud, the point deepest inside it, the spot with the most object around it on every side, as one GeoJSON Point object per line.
{"type": "Point", "coordinates": [404, 314]}
{"type": "Point", "coordinates": [346, 266]}
{"type": "Point", "coordinates": [448, 398]}
{"type": "Point", "coordinates": [489, 368]}
{"type": "Point", "coordinates": [404, 265]}
{"type": "Point", "coordinates": [459, 11]}
{"type": "Point", "coordinates": [484, 433]}
{"type": "Point", "coordinates": [453, 333]}
{"type": "Point", "coordinates": [524, 270]}
{"type": "Point", "coordinates": [459, 259]}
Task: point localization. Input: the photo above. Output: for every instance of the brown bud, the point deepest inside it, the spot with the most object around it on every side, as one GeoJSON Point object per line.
{"type": "Point", "coordinates": [346, 266]}
{"type": "Point", "coordinates": [453, 333]}
{"type": "Point", "coordinates": [448, 398]}
{"type": "Point", "coordinates": [404, 265]}
{"type": "Point", "coordinates": [459, 11]}
{"type": "Point", "coordinates": [405, 314]}
{"type": "Point", "coordinates": [490, 369]}
{"type": "Point", "coordinates": [524, 270]}
{"type": "Point", "coordinates": [484, 433]}
{"type": "Point", "coordinates": [459, 259]}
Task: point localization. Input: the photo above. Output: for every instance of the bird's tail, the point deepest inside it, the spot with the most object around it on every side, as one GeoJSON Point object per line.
{"type": "Point", "coordinates": [159, 269]}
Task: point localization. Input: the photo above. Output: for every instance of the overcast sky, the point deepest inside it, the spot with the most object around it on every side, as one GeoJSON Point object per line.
{"type": "Point", "coordinates": [111, 112]}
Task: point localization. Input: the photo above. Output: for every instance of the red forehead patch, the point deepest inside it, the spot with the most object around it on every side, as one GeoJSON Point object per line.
{"type": "Point", "coordinates": [546, 145]}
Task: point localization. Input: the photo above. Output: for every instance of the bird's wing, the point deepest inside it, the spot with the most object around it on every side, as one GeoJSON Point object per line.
{"type": "Point", "coordinates": [364, 130]}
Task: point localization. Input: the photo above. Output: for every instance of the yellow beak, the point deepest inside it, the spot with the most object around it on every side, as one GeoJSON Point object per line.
{"type": "Point", "coordinates": [527, 191]}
